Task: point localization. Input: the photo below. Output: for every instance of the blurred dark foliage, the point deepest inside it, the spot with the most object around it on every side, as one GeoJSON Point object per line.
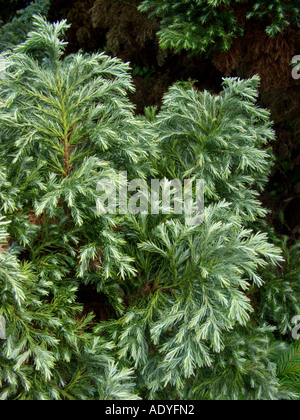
{"type": "Point", "coordinates": [9, 8]}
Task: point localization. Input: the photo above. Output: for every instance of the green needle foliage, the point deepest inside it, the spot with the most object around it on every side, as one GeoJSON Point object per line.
{"type": "Point", "coordinates": [205, 25]}
{"type": "Point", "coordinates": [288, 367]}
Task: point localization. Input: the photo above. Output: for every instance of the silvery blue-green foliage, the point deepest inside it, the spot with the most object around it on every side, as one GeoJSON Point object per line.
{"type": "Point", "coordinates": [65, 124]}
{"type": "Point", "coordinates": [222, 139]}
{"type": "Point", "coordinates": [189, 326]}
{"type": "Point", "coordinates": [15, 32]}
{"type": "Point", "coordinates": [46, 353]}
{"type": "Point", "coordinates": [191, 294]}
{"type": "Point", "coordinates": [205, 25]}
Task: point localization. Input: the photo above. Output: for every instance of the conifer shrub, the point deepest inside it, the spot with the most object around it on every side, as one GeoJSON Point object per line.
{"type": "Point", "coordinates": [180, 319]}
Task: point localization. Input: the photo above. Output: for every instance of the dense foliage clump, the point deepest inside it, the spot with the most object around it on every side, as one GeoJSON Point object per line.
{"type": "Point", "coordinates": [187, 311]}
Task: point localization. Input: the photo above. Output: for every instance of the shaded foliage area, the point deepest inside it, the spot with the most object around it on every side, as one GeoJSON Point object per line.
{"type": "Point", "coordinates": [8, 8]}
{"type": "Point", "coordinates": [15, 32]}
{"type": "Point", "coordinates": [206, 25]}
